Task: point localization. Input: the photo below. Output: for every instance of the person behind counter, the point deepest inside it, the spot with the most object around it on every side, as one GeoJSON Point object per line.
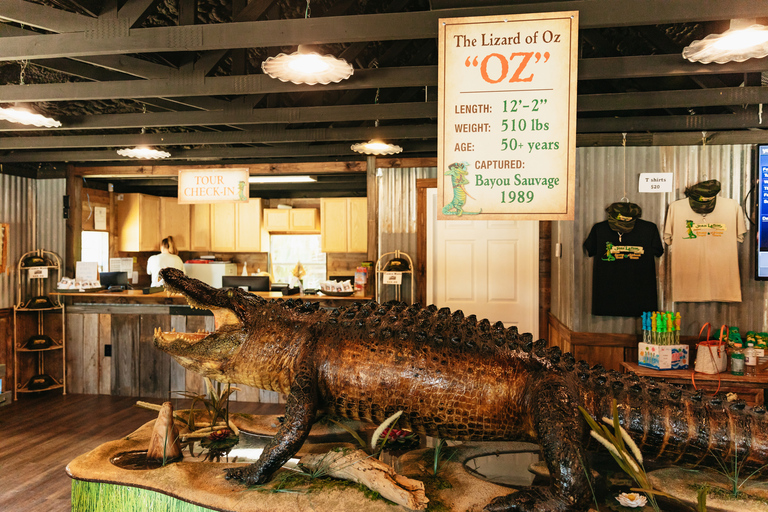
{"type": "Point", "coordinates": [168, 257]}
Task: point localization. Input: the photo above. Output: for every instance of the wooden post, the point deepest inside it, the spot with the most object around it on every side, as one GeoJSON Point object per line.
{"type": "Point", "coordinates": [74, 223]}
{"type": "Point", "coordinates": [373, 221]}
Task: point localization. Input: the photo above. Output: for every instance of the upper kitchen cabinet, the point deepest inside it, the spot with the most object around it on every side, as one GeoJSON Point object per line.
{"type": "Point", "coordinates": [137, 222]}
{"type": "Point", "coordinates": [227, 227]}
{"type": "Point", "coordinates": [175, 222]}
{"type": "Point", "coordinates": [344, 224]}
{"type": "Point", "coordinates": [292, 220]}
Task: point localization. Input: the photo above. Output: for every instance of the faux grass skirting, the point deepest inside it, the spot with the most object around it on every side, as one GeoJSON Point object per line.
{"type": "Point", "coordinates": [101, 497]}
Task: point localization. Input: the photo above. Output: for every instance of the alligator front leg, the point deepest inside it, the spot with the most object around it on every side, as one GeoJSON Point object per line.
{"type": "Point", "coordinates": [559, 429]}
{"type": "Point", "coordinates": [300, 409]}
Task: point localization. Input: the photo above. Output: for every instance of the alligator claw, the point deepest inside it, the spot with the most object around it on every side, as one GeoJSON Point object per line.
{"type": "Point", "coordinates": [244, 475]}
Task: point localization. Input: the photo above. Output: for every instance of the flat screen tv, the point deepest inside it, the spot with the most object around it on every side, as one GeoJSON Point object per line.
{"type": "Point", "coordinates": [108, 279]}
{"type": "Point", "coordinates": [251, 283]}
{"type": "Point", "coordinates": [761, 208]}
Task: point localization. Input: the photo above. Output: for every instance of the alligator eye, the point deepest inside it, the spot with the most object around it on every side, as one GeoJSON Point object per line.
{"type": "Point", "coordinates": [230, 293]}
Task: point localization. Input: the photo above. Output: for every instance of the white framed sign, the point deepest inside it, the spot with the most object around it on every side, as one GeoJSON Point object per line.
{"type": "Point", "coordinates": [655, 182]}
{"type": "Point", "coordinates": [507, 117]}
{"type": "Point", "coordinates": [213, 185]}
{"type": "Point", "coordinates": [392, 278]}
{"type": "Point", "coordinates": [38, 272]}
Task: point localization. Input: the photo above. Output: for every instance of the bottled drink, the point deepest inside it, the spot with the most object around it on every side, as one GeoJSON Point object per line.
{"type": "Point", "coordinates": [737, 363]}
{"type": "Point", "coordinates": [750, 360]}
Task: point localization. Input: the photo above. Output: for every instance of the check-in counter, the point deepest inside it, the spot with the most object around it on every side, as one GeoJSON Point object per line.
{"type": "Point", "coordinates": [110, 349]}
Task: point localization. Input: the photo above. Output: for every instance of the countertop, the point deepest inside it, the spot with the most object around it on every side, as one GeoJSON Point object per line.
{"type": "Point", "coordinates": [138, 297]}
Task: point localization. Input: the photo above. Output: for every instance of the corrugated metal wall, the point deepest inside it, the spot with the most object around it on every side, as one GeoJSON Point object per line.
{"type": "Point", "coordinates": [600, 181]}
{"type": "Point", "coordinates": [397, 214]}
{"type": "Point", "coordinates": [20, 198]}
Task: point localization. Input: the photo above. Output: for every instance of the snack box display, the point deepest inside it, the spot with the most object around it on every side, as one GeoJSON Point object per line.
{"type": "Point", "coordinates": [662, 357]}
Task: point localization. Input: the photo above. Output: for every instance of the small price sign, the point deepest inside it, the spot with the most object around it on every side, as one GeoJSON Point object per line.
{"type": "Point", "coordinates": [655, 182]}
{"type": "Point", "coordinates": [38, 273]}
{"type": "Point", "coordinates": [393, 277]}
{"type": "Point", "coordinates": [507, 117]}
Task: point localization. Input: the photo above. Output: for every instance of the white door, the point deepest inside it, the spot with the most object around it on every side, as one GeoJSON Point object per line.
{"type": "Point", "coordinates": [489, 268]}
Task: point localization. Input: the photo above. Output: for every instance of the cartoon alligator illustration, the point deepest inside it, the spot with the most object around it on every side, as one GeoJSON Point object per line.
{"type": "Point", "coordinates": [458, 173]}
{"type": "Point", "coordinates": [454, 377]}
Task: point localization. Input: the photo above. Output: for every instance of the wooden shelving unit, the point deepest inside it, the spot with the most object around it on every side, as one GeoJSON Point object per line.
{"type": "Point", "coordinates": [37, 314]}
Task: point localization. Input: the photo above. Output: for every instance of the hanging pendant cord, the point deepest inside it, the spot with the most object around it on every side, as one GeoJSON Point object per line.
{"type": "Point", "coordinates": [624, 167]}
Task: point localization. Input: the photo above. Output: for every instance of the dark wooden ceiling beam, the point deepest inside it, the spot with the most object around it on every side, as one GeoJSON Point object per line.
{"type": "Point", "coordinates": [742, 121]}
{"type": "Point", "coordinates": [725, 96]}
{"type": "Point", "coordinates": [213, 86]}
{"type": "Point", "coordinates": [645, 66]}
{"type": "Point", "coordinates": [190, 155]}
{"type": "Point", "coordinates": [347, 29]}
{"type": "Point", "coordinates": [43, 17]}
{"type": "Point", "coordinates": [229, 117]}
{"type": "Point", "coordinates": [263, 135]}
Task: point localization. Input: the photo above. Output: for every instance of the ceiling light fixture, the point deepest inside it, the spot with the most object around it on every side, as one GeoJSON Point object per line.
{"type": "Point", "coordinates": [23, 115]}
{"type": "Point", "coordinates": [739, 43]}
{"type": "Point", "coordinates": [305, 66]}
{"type": "Point", "coordinates": [143, 153]}
{"type": "Point", "coordinates": [282, 179]}
{"type": "Point", "coordinates": [376, 147]}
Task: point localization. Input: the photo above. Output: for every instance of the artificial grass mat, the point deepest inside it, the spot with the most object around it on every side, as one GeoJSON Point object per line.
{"type": "Point", "coordinates": [103, 497]}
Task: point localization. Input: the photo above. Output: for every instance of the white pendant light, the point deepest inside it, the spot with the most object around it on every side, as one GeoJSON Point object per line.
{"type": "Point", "coordinates": [376, 147]}
{"type": "Point", "coordinates": [143, 153]}
{"type": "Point", "coordinates": [307, 67]}
{"type": "Point", "coordinates": [282, 179]}
{"type": "Point", "coordinates": [23, 115]}
{"type": "Point", "coordinates": [733, 45]}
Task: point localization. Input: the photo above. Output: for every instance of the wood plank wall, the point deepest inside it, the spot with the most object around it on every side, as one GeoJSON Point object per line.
{"type": "Point", "coordinates": [610, 350]}
{"type": "Point", "coordinates": [135, 367]}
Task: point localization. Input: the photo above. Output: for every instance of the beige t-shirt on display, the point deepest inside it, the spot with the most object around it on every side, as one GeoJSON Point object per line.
{"type": "Point", "coordinates": [704, 251]}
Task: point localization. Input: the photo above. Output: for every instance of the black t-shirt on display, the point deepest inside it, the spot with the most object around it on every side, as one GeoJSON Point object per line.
{"type": "Point", "coordinates": [624, 271]}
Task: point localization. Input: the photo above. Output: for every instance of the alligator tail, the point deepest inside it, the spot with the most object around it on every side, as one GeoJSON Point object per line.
{"type": "Point", "coordinates": [676, 426]}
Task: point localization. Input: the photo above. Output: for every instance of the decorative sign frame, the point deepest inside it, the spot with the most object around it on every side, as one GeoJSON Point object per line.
{"type": "Point", "coordinates": [219, 185]}
{"type": "Point", "coordinates": [507, 117]}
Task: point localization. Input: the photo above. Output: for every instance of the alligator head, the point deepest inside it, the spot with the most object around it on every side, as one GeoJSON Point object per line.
{"type": "Point", "coordinates": [203, 352]}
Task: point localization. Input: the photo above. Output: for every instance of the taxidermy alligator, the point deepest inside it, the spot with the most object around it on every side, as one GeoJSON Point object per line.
{"type": "Point", "coordinates": [454, 378]}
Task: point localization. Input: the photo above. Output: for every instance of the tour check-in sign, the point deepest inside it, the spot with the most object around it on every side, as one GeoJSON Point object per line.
{"type": "Point", "coordinates": [507, 117]}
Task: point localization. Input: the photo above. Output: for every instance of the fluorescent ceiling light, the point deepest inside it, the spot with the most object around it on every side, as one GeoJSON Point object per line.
{"type": "Point", "coordinates": [281, 179]}
{"type": "Point", "coordinates": [143, 153]}
{"type": "Point", "coordinates": [734, 45]}
{"type": "Point", "coordinates": [307, 67]}
{"type": "Point", "coordinates": [376, 147]}
{"type": "Point", "coordinates": [23, 116]}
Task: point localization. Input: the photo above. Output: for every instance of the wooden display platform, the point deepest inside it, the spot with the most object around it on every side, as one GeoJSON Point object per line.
{"type": "Point", "coordinates": [749, 387]}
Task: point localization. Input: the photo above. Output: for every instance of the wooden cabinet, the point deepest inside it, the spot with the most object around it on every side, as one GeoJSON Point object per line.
{"type": "Point", "coordinates": [292, 220]}
{"type": "Point", "coordinates": [200, 227]}
{"type": "Point", "coordinates": [175, 222]}
{"type": "Point", "coordinates": [248, 235]}
{"type": "Point", "coordinates": [138, 226]}
{"type": "Point", "coordinates": [227, 227]}
{"type": "Point", "coordinates": [344, 224]}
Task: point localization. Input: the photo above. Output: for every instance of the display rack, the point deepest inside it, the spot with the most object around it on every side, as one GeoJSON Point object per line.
{"type": "Point", "coordinates": [380, 275]}
{"type": "Point", "coordinates": [38, 327]}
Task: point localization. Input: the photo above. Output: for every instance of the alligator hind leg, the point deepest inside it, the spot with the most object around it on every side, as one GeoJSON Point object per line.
{"type": "Point", "coordinates": [300, 409]}
{"type": "Point", "coordinates": [559, 428]}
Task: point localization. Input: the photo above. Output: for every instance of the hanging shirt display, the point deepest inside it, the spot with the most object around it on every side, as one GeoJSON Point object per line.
{"type": "Point", "coordinates": [624, 269]}
{"type": "Point", "coordinates": [704, 251]}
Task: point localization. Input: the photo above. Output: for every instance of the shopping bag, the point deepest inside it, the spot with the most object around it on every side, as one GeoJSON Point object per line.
{"type": "Point", "coordinates": [711, 357]}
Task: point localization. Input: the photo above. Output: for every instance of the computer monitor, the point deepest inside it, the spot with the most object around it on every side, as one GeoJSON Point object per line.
{"type": "Point", "coordinates": [108, 279]}
{"type": "Point", "coordinates": [251, 283]}
{"type": "Point", "coordinates": [761, 212]}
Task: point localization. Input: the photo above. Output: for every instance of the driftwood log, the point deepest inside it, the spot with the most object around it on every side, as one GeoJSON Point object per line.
{"type": "Point", "coordinates": [164, 443]}
{"type": "Point", "coordinates": [362, 468]}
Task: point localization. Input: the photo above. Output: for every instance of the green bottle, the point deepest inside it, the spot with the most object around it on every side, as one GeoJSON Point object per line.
{"type": "Point", "coordinates": [737, 363]}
